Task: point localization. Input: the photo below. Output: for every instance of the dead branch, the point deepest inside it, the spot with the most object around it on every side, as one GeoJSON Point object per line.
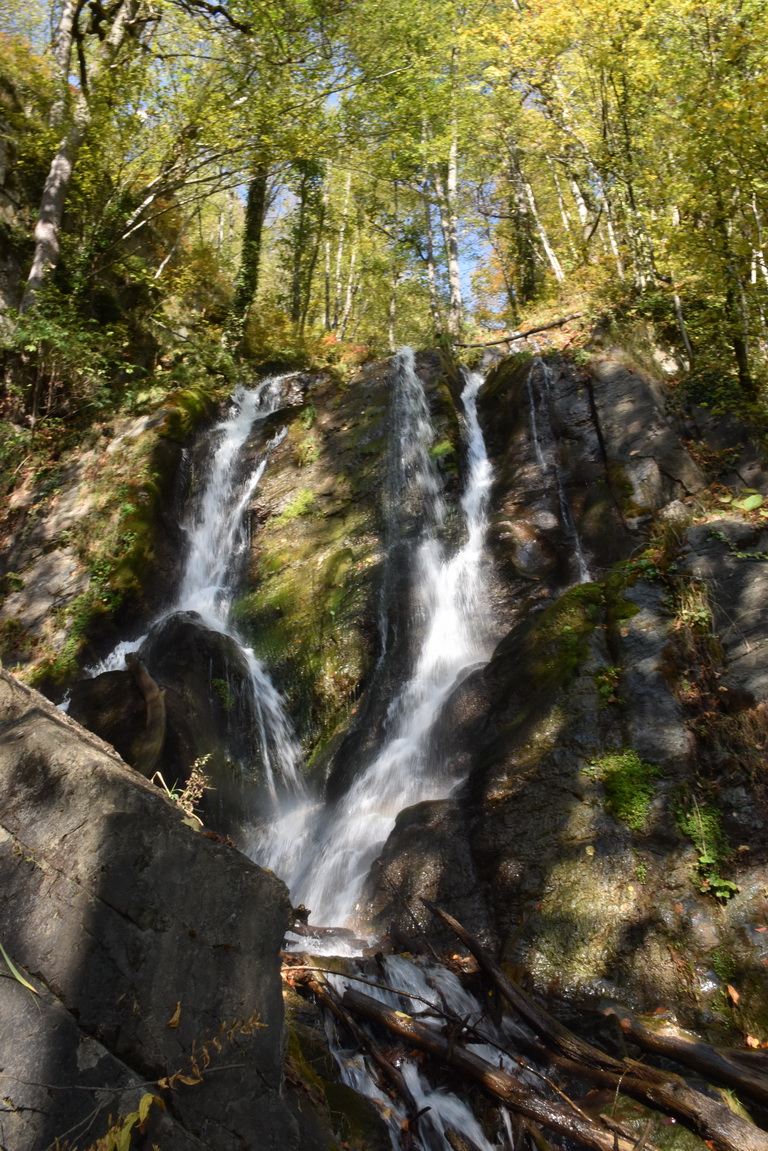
{"type": "Point", "coordinates": [664, 1038]}
{"type": "Point", "coordinates": [721, 1127]}
{"type": "Point", "coordinates": [494, 1080]}
{"type": "Point", "coordinates": [323, 992]}
{"type": "Point", "coordinates": [528, 332]}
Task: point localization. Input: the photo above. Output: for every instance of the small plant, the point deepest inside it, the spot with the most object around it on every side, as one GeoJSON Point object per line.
{"type": "Point", "coordinates": [607, 680]}
{"type": "Point", "coordinates": [714, 534]}
{"type": "Point", "coordinates": [308, 416]}
{"type": "Point", "coordinates": [307, 452]}
{"type": "Point", "coordinates": [701, 824]}
{"type": "Point", "coordinates": [225, 693]}
{"type": "Point", "coordinates": [188, 798]}
{"type": "Point", "coordinates": [641, 871]}
{"type": "Point", "coordinates": [628, 782]}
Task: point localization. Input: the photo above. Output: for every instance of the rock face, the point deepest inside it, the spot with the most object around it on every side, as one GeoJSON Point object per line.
{"type": "Point", "coordinates": [610, 834]}
{"type": "Point", "coordinates": [146, 941]}
{"type": "Point", "coordinates": [634, 658]}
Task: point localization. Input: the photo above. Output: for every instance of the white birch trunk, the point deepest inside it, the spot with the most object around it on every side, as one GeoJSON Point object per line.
{"type": "Point", "coordinates": [434, 299]}
{"type": "Point", "coordinates": [57, 182]}
{"type": "Point", "coordinates": [340, 253]}
{"type": "Point", "coordinates": [351, 288]}
{"type": "Point", "coordinates": [554, 263]}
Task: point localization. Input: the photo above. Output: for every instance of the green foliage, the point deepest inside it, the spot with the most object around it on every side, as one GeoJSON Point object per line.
{"type": "Point", "coordinates": [701, 824]}
{"type": "Point", "coordinates": [15, 973]}
{"type": "Point", "coordinates": [629, 786]}
{"type": "Point", "coordinates": [120, 1133]}
{"type": "Point", "coordinates": [608, 680]}
{"type": "Point", "coordinates": [225, 694]}
{"type": "Point", "coordinates": [307, 452]}
{"type": "Point", "coordinates": [308, 416]}
{"type": "Point", "coordinates": [716, 534]}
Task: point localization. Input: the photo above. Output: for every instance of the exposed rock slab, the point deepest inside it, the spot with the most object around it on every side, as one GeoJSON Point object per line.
{"type": "Point", "coordinates": [132, 921]}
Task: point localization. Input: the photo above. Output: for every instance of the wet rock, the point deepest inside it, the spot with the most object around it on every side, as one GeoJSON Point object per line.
{"type": "Point", "coordinates": [728, 556]}
{"type": "Point", "coordinates": [210, 714]}
{"type": "Point", "coordinates": [146, 940]}
{"type": "Point", "coordinates": [426, 857]}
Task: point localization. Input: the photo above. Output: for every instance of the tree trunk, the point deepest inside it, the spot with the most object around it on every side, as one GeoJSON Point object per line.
{"type": "Point", "coordinates": [49, 218]}
{"type": "Point", "coordinates": [434, 299]}
{"type": "Point", "coordinates": [62, 54]}
{"type": "Point", "coordinates": [340, 254]}
{"type": "Point", "coordinates": [352, 286]}
{"type": "Point", "coordinates": [248, 273]}
{"type": "Point", "coordinates": [549, 251]}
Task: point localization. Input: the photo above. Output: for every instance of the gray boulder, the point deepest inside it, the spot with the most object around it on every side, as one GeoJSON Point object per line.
{"type": "Point", "coordinates": [154, 948]}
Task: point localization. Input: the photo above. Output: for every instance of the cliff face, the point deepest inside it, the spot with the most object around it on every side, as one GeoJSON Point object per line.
{"type": "Point", "coordinates": [609, 837]}
{"type": "Point", "coordinates": [153, 949]}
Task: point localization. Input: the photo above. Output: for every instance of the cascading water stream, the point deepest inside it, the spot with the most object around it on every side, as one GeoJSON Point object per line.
{"type": "Point", "coordinates": [216, 536]}
{"type": "Point", "coordinates": [325, 857]}
{"type": "Point", "coordinates": [544, 440]}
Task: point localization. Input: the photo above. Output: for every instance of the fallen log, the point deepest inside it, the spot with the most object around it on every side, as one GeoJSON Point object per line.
{"type": "Point", "coordinates": [556, 1034]}
{"type": "Point", "coordinates": [716, 1063]}
{"type": "Point", "coordinates": [713, 1122]}
{"type": "Point", "coordinates": [527, 332]}
{"type": "Point", "coordinates": [386, 1067]}
{"type": "Point", "coordinates": [494, 1080]}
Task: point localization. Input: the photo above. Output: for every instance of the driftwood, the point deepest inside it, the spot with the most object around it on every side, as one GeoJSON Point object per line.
{"type": "Point", "coordinates": [524, 334]}
{"type": "Point", "coordinates": [386, 1067]}
{"type": "Point", "coordinates": [719, 1064]}
{"type": "Point", "coordinates": [714, 1122]}
{"type": "Point", "coordinates": [494, 1080]}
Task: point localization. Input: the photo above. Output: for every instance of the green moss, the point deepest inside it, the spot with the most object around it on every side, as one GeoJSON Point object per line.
{"type": "Point", "coordinates": [302, 504]}
{"type": "Point", "coordinates": [723, 963]}
{"type": "Point", "coordinates": [558, 642]}
{"type": "Point", "coordinates": [509, 371]}
{"type": "Point", "coordinates": [629, 786]}
{"type": "Point", "coordinates": [188, 408]}
{"type": "Point", "coordinates": [701, 824]}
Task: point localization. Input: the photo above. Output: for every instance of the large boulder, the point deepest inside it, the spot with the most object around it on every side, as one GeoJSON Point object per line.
{"type": "Point", "coordinates": [153, 948]}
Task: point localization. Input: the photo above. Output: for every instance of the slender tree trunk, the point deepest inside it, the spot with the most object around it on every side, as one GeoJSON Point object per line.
{"type": "Point", "coordinates": [351, 289]}
{"type": "Point", "coordinates": [49, 218]}
{"type": "Point", "coordinates": [340, 254]}
{"type": "Point", "coordinates": [549, 251]}
{"type": "Point", "coordinates": [434, 299]}
{"type": "Point", "coordinates": [392, 311]}
{"type": "Point", "coordinates": [561, 205]}
{"type": "Point", "coordinates": [250, 253]}
{"type": "Point", "coordinates": [456, 313]}
{"type": "Point", "coordinates": [62, 54]}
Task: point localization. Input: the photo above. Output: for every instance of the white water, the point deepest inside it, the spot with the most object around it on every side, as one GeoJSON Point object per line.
{"type": "Point", "coordinates": [414, 987]}
{"type": "Point", "coordinates": [216, 537]}
{"type": "Point", "coordinates": [326, 864]}
{"type": "Point", "coordinates": [544, 441]}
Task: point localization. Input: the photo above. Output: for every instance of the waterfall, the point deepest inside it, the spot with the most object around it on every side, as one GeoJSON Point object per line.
{"type": "Point", "coordinates": [217, 536]}
{"type": "Point", "coordinates": [545, 447]}
{"type": "Point", "coordinates": [325, 856]}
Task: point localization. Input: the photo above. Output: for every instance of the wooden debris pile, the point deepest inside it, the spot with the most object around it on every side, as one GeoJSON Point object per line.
{"type": "Point", "coordinates": [546, 1110]}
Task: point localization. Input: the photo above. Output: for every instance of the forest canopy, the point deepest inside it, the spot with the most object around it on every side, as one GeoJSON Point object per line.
{"type": "Point", "coordinates": [189, 184]}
